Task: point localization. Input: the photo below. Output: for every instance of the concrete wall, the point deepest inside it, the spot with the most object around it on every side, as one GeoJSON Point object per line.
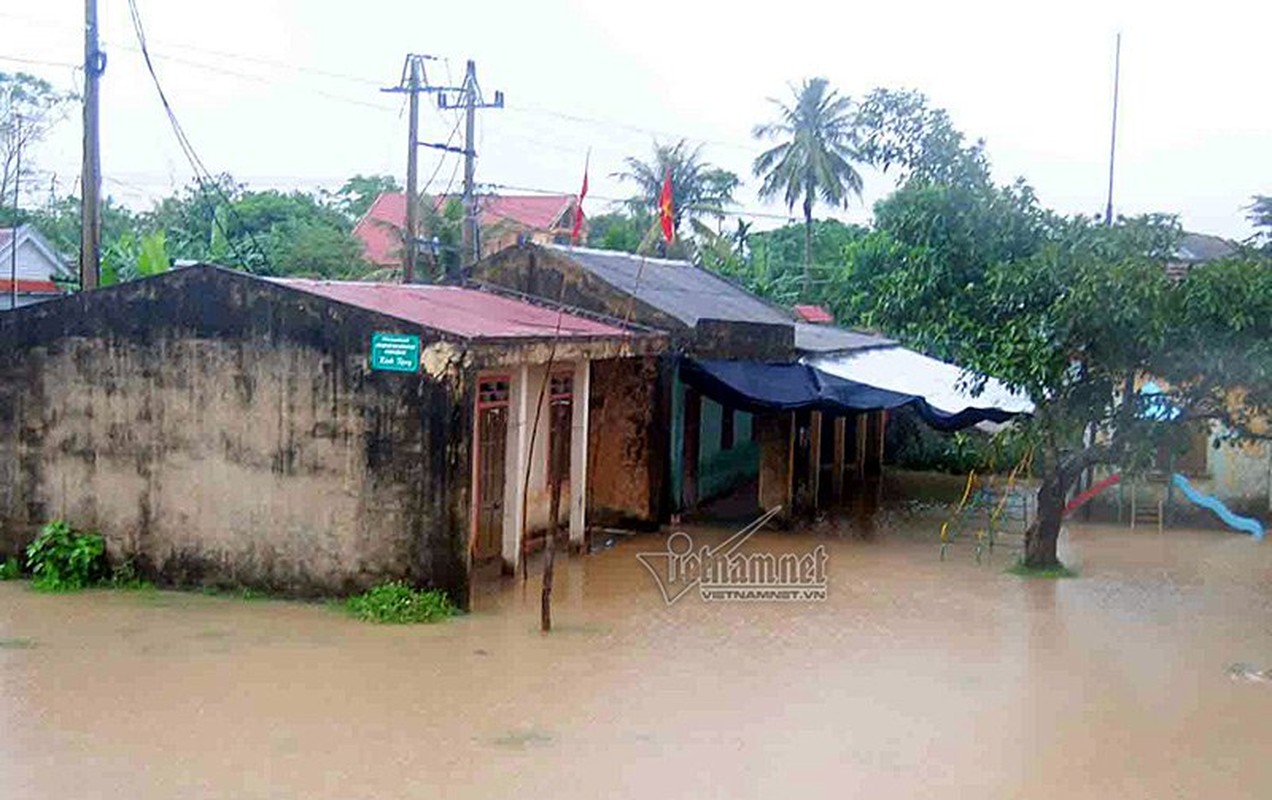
{"type": "Point", "coordinates": [1241, 475]}
{"type": "Point", "coordinates": [626, 443]}
{"type": "Point", "coordinates": [222, 430]}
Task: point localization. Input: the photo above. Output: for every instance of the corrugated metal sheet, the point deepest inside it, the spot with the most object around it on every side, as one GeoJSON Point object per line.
{"type": "Point", "coordinates": [470, 313]}
{"type": "Point", "coordinates": [810, 338]}
{"type": "Point", "coordinates": [678, 288]}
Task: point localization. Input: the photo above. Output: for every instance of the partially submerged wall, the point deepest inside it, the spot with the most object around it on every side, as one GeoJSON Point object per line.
{"type": "Point", "coordinates": [626, 443]}
{"type": "Point", "coordinates": [221, 430]}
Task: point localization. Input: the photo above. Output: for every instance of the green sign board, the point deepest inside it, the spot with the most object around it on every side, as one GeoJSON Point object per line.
{"type": "Point", "coordinates": [395, 352]}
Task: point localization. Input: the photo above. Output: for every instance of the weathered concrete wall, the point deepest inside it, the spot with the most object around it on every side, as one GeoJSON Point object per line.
{"type": "Point", "coordinates": [716, 338]}
{"type": "Point", "coordinates": [1241, 474]}
{"type": "Point", "coordinates": [223, 430]}
{"type": "Point", "coordinates": [773, 435]}
{"type": "Point", "coordinates": [626, 443]}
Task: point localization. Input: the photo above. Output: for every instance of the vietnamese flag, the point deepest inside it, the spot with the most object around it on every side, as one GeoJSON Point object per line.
{"type": "Point", "coordinates": [578, 204]}
{"type": "Point", "coordinates": [667, 210]}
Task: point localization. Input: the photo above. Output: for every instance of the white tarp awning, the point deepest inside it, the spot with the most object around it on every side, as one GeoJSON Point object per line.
{"type": "Point", "coordinates": [901, 370]}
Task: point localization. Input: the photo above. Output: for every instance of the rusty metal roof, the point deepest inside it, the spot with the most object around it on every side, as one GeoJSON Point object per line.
{"type": "Point", "coordinates": [469, 313]}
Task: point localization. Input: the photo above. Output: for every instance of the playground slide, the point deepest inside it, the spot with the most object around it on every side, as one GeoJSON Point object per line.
{"type": "Point", "coordinates": [1244, 524]}
{"type": "Point", "coordinates": [1086, 496]}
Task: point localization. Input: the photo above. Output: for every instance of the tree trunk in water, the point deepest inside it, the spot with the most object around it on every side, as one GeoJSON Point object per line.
{"type": "Point", "coordinates": [808, 245]}
{"type": "Point", "coordinates": [1044, 533]}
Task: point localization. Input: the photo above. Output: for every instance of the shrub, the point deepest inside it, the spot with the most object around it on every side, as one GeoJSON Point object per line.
{"type": "Point", "coordinates": [64, 559]}
{"type": "Point", "coordinates": [396, 602]}
{"type": "Point", "coordinates": [11, 569]}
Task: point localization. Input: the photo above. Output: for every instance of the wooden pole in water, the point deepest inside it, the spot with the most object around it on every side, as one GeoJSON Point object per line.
{"type": "Point", "coordinates": [549, 553]}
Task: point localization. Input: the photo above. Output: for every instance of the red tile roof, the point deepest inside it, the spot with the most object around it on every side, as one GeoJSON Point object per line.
{"type": "Point", "coordinates": [381, 228]}
{"type": "Point", "coordinates": [470, 313]}
{"type": "Point", "coordinates": [26, 286]}
{"type": "Point", "coordinates": [815, 314]}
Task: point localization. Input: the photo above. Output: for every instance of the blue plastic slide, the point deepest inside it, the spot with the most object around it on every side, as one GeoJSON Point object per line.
{"type": "Point", "coordinates": [1244, 524]}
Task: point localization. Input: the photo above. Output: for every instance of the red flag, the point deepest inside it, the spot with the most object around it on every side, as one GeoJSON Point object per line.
{"type": "Point", "coordinates": [667, 210]}
{"type": "Point", "coordinates": [578, 204]}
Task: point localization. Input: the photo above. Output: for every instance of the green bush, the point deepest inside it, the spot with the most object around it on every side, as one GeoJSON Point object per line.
{"type": "Point", "coordinates": [64, 559]}
{"type": "Point", "coordinates": [396, 602]}
{"type": "Point", "coordinates": [11, 569]}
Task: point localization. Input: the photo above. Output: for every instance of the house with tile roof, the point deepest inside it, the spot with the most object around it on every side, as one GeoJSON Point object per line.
{"type": "Point", "coordinates": [503, 220]}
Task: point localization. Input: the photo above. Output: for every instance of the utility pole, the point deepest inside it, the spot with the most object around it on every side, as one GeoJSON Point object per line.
{"type": "Point", "coordinates": [13, 234]}
{"type": "Point", "coordinates": [1117, 75]}
{"type": "Point", "coordinates": [414, 80]}
{"type": "Point", "coordinates": [412, 83]}
{"type": "Point", "coordinates": [91, 171]}
{"type": "Point", "coordinates": [470, 99]}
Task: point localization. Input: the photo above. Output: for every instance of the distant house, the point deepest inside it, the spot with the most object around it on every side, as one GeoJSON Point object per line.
{"type": "Point", "coordinates": [503, 220]}
{"type": "Point", "coordinates": [37, 267]}
{"type": "Point", "coordinates": [1197, 248]}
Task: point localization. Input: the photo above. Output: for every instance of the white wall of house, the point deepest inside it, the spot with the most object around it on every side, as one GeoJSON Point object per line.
{"type": "Point", "coordinates": [33, 264]}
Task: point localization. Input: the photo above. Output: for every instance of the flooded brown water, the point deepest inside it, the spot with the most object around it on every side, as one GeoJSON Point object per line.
{"type": "Point", "coordinates": [915, 678]}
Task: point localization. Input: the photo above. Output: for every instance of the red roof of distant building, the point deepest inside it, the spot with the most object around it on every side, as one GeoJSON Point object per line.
{"type": "Point", "coordinates": [470, 313]}
{"type": "Point", "coordinates": [815, 314]}
{"type": "Point", "coordinates": [29, 286]}
{"type": "Point", "coordinates": [381, 228]}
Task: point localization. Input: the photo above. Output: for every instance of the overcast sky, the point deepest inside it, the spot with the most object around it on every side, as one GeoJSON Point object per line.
{"type": "Point", "coordinates": [284, 93]}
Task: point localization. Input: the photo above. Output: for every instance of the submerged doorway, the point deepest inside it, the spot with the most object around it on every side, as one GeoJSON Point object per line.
{"type": "Point", "coordinates": [492, 455]}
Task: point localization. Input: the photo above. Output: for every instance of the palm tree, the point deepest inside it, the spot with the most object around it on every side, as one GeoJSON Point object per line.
{"type": "Point", "coordinates": [814, 159]}
{"type": "Point", "coordinates": [698, 189]}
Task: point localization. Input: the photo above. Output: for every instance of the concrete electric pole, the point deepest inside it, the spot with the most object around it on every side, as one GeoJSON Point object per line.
{"type": "Point", "coordinates": [470, 99]}
{"type": "Point", "coordinates": [413, 82]}
{"type": "Point", "coordinates": [91, 171]}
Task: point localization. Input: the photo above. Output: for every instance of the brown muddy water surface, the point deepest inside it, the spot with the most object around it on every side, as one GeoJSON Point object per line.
{"type": "Point", "coordinates": [915, 678]}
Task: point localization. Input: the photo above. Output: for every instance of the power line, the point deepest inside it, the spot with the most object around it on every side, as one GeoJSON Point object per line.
{"type": "Point", "coordinates": [201, 173]}
{"type": "Point", "coordinates": [189, 62]}
{"type": "Point", "coordinates": [40, 62]}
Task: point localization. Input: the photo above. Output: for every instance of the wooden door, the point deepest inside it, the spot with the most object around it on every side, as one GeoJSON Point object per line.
{"type": "Point", "coordinates": [492, 450]}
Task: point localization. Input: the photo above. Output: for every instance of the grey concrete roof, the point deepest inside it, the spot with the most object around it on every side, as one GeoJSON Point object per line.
{"type": "Point", "coordinates": [812, 338]}
{"type": "Point", "coordinates": [1198, 247]}
{"type": "Point", "coordinates": [678, 288]}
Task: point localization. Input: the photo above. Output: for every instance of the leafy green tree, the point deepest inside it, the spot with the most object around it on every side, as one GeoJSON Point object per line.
{"type": "Point", "coordinates": [355, 197]}
{"type": "Point", "coordinates": [779, 255]}
{"type": "Point", "coordinates": [267, 232]}
{"type": "Point", "coordinates": [618, 230]}
{"type": "Point", "coordinates": [1260, 216]}
{"type": "Point", "coordinates": [699, 190]}
{"type": "Point", "coordinates": [814, 159]}
{"type": "Point", "coordinates": [29, 107]}
{"type": "Point", "coordinates": [1077, 315]}
{"type": "Point", "coordinates": [899, 131]}
{"type": "Point", "coordinates": [131, 256]}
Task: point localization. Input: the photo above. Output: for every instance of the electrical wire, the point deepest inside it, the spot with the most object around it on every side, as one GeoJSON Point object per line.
{"type": "Point", "coordinates": [201, 173]}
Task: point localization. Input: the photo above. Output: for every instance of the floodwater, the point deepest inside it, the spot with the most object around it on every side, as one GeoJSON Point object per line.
{"type": "Point", "coordinates": [915, 678]}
